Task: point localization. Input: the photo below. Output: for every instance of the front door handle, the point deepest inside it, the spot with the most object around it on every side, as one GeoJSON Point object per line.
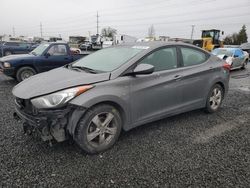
{"type": "Point", "coordinates": [177, 77]}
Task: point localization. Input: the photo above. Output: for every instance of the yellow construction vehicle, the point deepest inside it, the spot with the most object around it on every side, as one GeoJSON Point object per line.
{"type": "Point", "coordinates": [209, 40]}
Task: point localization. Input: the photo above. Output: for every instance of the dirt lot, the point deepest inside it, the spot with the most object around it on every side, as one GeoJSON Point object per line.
{"type": "Point", "coordinates": [194, 149]}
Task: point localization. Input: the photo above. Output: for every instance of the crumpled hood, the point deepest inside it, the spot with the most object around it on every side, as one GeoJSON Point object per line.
{"type": "Point", "coordinates": [221, 56]}
{"type": "Point", "coordinates": [16, 57]}
{"type": "Point", "coordinates": [55, 80]}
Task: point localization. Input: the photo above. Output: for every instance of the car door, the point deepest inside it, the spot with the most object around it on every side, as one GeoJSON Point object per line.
{"type": "Point", "coordinates": [196, 72]}
{"type": "Point", "coordinates": [56, 56]}
{"type": "Point", "coordinates": [158, 93]}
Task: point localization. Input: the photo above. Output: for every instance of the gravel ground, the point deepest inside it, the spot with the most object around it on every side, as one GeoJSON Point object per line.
{"type": "Point", "coordinates": [193, 149]}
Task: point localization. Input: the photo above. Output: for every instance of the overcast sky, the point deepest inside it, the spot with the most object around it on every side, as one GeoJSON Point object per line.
{"type": "Point", "coordinates": [78, 17]}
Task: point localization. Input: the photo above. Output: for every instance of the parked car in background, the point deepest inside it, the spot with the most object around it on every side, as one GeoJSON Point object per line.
{"type": "Point", "coordinates": [106, 44]}
{"type": "Point", "coordinates": [120, 87]}
{"type": "Point", "coordinates": [245, 47]}
{"type": "Point", "coordinates": [8, 48]}
{"type": "Point", "coordinates": [233, 56]}
{"type": "Point", "coordinates": [45, 57]}
{"type": "Point", "coordinates": [86, 45]}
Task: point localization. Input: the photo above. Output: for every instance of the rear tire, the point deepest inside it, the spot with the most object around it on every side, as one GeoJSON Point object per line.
{"type": "Point", "coordinates": [98, 129]}
{"type": "Point", "coordinates": [24, 73]}
{"type": "Point", "coordinates": [214, 98]}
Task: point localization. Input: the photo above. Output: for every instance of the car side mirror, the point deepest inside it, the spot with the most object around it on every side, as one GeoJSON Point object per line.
{"type": "Point", "coordinates": [143, 69]}
{"type": "Point", "coordinates": [236, 55]}
{"type": "Point", "coordinates": [47, 55]}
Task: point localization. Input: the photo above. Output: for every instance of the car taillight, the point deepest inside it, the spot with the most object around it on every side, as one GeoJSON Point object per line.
{"type": "Point", "coordinates": [226, 66]}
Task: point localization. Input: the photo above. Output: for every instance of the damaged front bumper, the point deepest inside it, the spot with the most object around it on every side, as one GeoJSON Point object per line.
{"type": "Point", "coordinates": [50, 124]}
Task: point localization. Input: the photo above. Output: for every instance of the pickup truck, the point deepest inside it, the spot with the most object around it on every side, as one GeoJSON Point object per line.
{"type": "Point", "coordinates": [45, 57]}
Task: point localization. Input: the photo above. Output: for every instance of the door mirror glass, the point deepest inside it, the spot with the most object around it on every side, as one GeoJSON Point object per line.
{"type": "Point", "coordinates": [143, 69]}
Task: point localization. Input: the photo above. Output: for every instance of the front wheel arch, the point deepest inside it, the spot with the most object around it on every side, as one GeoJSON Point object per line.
{"type": "Point", "coordinates": [22, 67]}
{"type": "Point", "coordinates": [79, 112]}
{"type": "Point", "coordinates": [81, 131]}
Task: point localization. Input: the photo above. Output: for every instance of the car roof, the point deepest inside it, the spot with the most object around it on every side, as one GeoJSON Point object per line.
{"type": "Point", "coordinates": [154, 44]}
{"type": "Point", "coordinates": [229, 49]}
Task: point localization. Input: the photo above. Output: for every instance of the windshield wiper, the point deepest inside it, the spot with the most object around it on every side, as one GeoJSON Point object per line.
{"type": "Point", "coordinates": [86, 69]}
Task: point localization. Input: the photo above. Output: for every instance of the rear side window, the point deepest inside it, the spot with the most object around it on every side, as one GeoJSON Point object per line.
{"type": "Point", "coordinates": [192, 57]}
{"type": "Point", "coordinates": [163, 59]}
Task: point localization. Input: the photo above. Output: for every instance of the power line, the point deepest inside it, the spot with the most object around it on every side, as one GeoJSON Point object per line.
{"type": "Point", "coordinates": [192, 32]}
{"type": "Point", "coordinates": [13, 30]}
{"type": "Point", "coordinates": [97, 23]}
{"type": "Point", "coordinates": [41, 29]}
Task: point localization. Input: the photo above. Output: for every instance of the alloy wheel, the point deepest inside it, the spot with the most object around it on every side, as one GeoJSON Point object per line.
{"type": "Point", "coordinates": [215, 98]}
{"type": "Point", "coordinates": [101, 129]}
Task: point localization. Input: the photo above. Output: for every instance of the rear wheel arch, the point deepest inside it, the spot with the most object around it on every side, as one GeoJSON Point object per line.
{"type": "Point", "coordinates": [222, 85]}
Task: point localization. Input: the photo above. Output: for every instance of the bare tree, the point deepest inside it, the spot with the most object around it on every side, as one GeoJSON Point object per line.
{"type": "Point", "coordinates": [108, 32]}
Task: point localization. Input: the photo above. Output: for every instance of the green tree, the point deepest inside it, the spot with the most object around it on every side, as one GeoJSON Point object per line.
{"type": "Point", "coordinates": [242, 36]}
{"type": "Point", "coordinates": [108, 32]}
{"type": "Point", "coordinates": [237, 38]}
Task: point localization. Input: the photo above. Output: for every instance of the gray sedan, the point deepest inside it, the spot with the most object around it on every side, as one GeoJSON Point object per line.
{"type": "Point", "coordinates": [119, 88]}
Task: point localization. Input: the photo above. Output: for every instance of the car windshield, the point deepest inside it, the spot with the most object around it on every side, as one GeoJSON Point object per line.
{"type": "Point", "coordinates": [226, 52]}
{"type": "Point", "coordinates": [107, 60]}
{"type": "Point", "coordinates": [40, 49]}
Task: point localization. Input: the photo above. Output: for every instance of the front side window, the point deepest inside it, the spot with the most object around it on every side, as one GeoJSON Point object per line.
{"type": "Point", "coordinates": [192, 57]}
{"type": "Point", "coordinates": [57, 50]}
{"type": "Point", "coordinates": [163, 59]}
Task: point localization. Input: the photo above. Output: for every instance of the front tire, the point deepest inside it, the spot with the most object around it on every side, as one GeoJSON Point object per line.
{"type": "Point", "coordinates": [7, 53]}
{"type": "Point", "coordinates": [214, 98]}
{"type": "Point", "coordinates": [24, 73]}
{"type": "Point", "coordinates": [98, 129]}
{"type": "Point", "coordinates": [244, 66]}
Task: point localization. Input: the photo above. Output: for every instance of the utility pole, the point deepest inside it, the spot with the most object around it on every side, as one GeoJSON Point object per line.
{"type": "Point", "coordinates": [41, 29]}
{"type": "Point", "coordinates": [14, 33]}
{"type": "Point", "coordinates": [192, 32]}
{"type": "Point", "coordinates": [97, 23]}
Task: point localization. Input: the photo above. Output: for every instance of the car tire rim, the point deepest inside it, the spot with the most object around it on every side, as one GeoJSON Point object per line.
{"type": "Point", "coordinates": [26, 74]}
{"type": "Point", "coordinates": [215, 98]}
{"type": "Point", "coordinates": [101, 129]}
